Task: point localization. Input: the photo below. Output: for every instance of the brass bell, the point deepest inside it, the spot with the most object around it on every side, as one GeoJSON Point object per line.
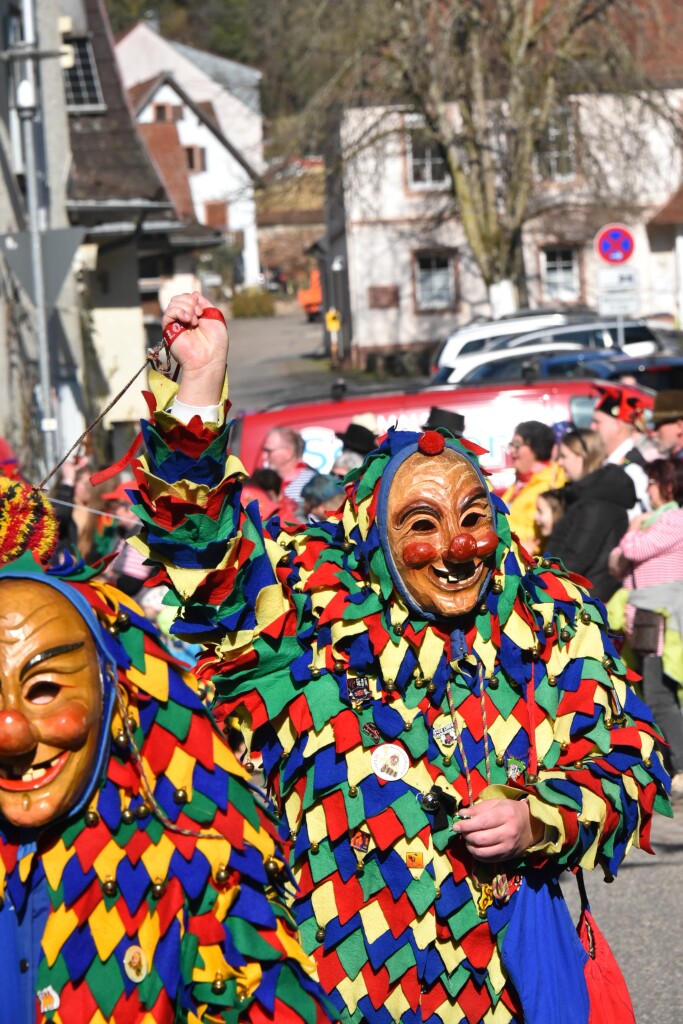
{"type": "Point", "coordinates": [585, 618]}
{"type": "Point", "coordinates": [407, 726]}
{"type": "Point", "coordinates": [497, 587]}
{"type": "Point", "coordinates": [552, 681]}
{"type": "Point", "coordinates": [500, 760]}
{"type": "Point", "coordinates": [218, 985]}
{"type": "Point", "coordinates": [338, 666]}
{"type": "Point", "coordinates": [535, 654]}
{"type": "Point", "coordinates": [109, 886]}
{"type": "Point", "coordinates": [448, 760]}
{"type": "Point", "coordinates": [158, 889]}
{"type": "Point", "coordinates": [222, 875]}
{"type": "Point", "coordinates": [647, 761]}
{"type": "Point", "coordinates": [430, 802]}
{"type": "Point", "coordinates": [398, 629]}
{"type": "Point", "coordinates": [315, 673]}
{"type": "Point", "coordinates": [250, 766]}
{"type": "Point", "coordinates": [201, 692]}
{"type": "Point", "coordinates": [127, 816]}
{"type": "Point", "coordinates": [353, 791]}
{"type": "Point", "coordinates": [180, 796]}
{"type": "Point", "coordinates": [419, 683]}
{"type": "Point", "coordinates": [293, 834]}
{"type": "Point", "coordinates": [437, 893]}
{"type": "Point", "coordinates": [315, 848]}
{"type": "Point", "coordinates": [578, 764]}
{"type": "Point", "coordinates": [564, 746]}
{"type": "Point", "coordinates": [347, 547]}
{"type": "Point", "coordinates": [273, 868]}
{"type": "Point", "coordinates": [122, 619]}
{"type": "Point", "coordinates": [565, 635]}
{"type": "Point", "coordinates": [284, 755]}
{"type": "Point", "coordinates": [121, 740]}
{"type": "Point", "coordinates": [431, 687]}
{"type": "Point", "coordinates": [531, 778]}
{"type": "Point", "coordinates": [607, 662]}
{"type": "Point", "coordinates": [389, 685]}
{"type": "Point", "coordinates": [493, 683]}
{"type": "Point", "coordinates": [549, 628]}
{"type": "Point", "coordinates": [482, 609]}
{"type": "Point", "coordinates": [92, 819]}
{"type": "Point", "coordinates": [360, 868]}
{"type": "Point", "coordinates": [141, 811]}
{"type": "Point", "coordinates": [320, 935]}
{"type": "Point", "coordinates": [546, 563]}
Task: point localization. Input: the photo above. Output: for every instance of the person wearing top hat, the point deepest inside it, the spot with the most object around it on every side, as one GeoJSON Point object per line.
{"type": "Point", "coordinates": [667, 424]}
{"type": "Point", "coordinates": [617, 418]}
{"type": "Point", "coordinates": [453, 421]}
{"type": "Point", "coordinates": [358, 441]}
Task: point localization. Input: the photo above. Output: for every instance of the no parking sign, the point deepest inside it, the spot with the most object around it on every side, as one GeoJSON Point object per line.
{"type": "Point", "coordinates": [614, 244]}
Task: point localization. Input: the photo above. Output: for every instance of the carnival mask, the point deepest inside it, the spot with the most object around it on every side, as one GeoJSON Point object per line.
{"type": "Point", "coordinates": [440, 531]}
{"type": "Point", "coordinates": [51, 704]}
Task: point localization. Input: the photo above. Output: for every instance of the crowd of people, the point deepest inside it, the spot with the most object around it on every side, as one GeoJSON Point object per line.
{"type": "Point", "coordinates": [415, 675]}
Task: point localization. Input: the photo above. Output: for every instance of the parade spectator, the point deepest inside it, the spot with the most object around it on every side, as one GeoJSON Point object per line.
{"type": "Point", "coordinates": [357, 441]}
{"type": "Point", "coordinates": [530, 451]}
{"type": "Point", "coordinates": [440, 715]}
{"type": "Point", "coordinates": [438, 417]}
{"type": "Point", "coordinates": [618, 418]}
{"type": "Point", "coordinates": [598, 497]}
{"type": "Point", "coordinates": [80, 509]}
{"type": "Point", "coordinates": [127, 570]}
{"type": "Point", "coordinates": [649, 560]}
{"type": "Point", "coordinates": [667, 423]}
{"type": "Point", "coordinates": [283, 451]}
{"type": "Point", "coordinates": [323, 495]}
{"type": "Point", "coordinates": [550, 507]}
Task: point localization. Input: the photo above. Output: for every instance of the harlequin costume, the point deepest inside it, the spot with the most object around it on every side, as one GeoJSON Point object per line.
{"type": "Point", "coordinates": [377, 723]}
{"type": "Point", "coordinates": [160, 896]}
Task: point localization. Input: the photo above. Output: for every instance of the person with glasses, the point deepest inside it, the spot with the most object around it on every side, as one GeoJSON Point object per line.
{"type": "Point", "coordinates": [667, 423]}
{"type": "Point", "coordinates": [618, 417]}
{"type": "Point", "coordinates": [531, 452]}
{"type": "Point", "coordinates": [597, 500]}
{"type": "Point", "coordinates": [283, 451]}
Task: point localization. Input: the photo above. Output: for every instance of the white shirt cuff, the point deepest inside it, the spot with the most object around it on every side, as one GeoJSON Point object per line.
{"type": "Point", "coordinates": [184, 413]}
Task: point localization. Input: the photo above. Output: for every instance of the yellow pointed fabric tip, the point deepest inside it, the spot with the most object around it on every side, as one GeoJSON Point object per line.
{"type": "Point", "coordinates": [60, 924]}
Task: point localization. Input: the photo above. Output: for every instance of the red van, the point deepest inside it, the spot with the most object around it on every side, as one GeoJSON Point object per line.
{"type": "Point", "coordinates": [491, 415]}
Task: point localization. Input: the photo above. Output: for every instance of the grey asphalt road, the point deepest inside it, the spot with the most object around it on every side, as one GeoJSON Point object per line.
{"type": "Point", "coordinates": [279, 360]}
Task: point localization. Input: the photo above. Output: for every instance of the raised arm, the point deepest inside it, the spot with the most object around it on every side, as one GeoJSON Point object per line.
{"type": "Point", "coordinates": [200, 345]}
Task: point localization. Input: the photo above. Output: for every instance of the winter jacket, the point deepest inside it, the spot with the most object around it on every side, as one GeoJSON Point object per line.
{"type": "Point", "coordinates": [595, 521]}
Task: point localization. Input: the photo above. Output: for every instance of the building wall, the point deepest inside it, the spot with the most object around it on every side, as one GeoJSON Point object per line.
{"type": "Point", "coordinates": [143, 53]}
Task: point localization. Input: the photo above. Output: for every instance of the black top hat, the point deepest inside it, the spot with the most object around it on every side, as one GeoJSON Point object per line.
{"type": "Point", "coordinates": [668, 407]}
{"type": "Point", "coordinates": [453, 421]}
{"type": "Point", "coordinates": [358, 438]}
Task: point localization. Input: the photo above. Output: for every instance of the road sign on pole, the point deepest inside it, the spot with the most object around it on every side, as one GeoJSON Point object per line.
{"type": "Point", "coordinates": [618, 292]}
{"type": "Point", "coordinates": [615, 244]}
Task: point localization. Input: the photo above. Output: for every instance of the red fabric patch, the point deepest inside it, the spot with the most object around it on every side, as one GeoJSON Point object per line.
{"type": "Point", "coordinates": [386, 829]}
{"type": "Point", "coordinates": [346, 731]}
{"type": "Point", "coordinates": [335, 815]}
{"type": "Point", "coordinates": [377, 984]}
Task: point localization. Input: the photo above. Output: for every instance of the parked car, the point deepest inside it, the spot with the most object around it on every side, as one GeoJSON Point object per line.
{"type": "Point", "coordinates": [467, 367]}
{"type": "Point", "coordinates": [481, 334]}
{"type": "Point", "coordinates": [638, 340]}
{"type": "Point", "coordinates": [491, 414]}
{"type": "Point", "coordinates": [542, 364]}
{"type": "Point", "coordinates": [311, 299]}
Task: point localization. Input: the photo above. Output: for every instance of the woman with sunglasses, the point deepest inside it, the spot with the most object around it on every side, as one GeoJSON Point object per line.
{"type": "Point", "coordinates": [598, 498]}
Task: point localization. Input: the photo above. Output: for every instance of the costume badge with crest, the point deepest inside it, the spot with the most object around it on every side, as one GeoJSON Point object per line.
{"type": "Point", "coordinates": [444, 733]}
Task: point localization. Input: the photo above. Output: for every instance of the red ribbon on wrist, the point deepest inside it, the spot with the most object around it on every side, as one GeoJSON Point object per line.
{"type": "Point", "coordinates": [175, 329]}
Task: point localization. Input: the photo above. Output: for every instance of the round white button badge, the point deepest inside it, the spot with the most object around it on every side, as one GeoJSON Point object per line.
{"type": "Point", "coordinates": [389, 762]}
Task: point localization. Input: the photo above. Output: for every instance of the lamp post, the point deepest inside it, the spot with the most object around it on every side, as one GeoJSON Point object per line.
{"type": "Point", "coordinates": [27, 105]}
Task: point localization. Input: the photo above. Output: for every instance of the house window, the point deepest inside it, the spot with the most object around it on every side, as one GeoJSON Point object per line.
{"type": "Point", "coordinates": [555, 151]}
{"type": "Point", "coordinates": [426, 160]}
{"type": "Point", "coordinates": [81, 81]}
{"type": "Point", "coordinates": [167, 112]}
{"type": "Point", "coordinates": [434, 281]}
{"type": "Point", "coordinates": [196, 158]}
{"type": "Point", "coordinates": [560, 274]}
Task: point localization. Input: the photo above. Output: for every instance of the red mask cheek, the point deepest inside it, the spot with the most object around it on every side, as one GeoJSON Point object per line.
{"type": "Point", "coordinates": [487, 543]}
{"type": "Point", "coordinates": [68, 727]}
{"type": "Point", "coordinates": [418, 553]}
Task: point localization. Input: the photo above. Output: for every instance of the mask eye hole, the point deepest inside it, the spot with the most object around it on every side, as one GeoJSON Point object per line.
{"type": "Point", "coordinates": [42, 692]}
{"type": "Point", "coordinates": [472, 519]}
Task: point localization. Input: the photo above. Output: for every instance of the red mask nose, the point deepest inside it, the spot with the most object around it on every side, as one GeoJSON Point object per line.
{"type": "Point", "coordinates": [463, 548]}
{"type": "Point", "coordinates": [17, 735]}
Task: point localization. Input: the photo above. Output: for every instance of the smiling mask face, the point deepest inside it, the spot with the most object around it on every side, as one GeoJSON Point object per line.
{"type": "Point", "coordinates": [50, 704]}
{"type": "Point", "coordinates": [440, 532]}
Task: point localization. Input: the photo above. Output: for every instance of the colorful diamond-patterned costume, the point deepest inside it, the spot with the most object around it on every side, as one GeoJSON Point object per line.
{"type": "Point", "coordinates": [336, 677]}
{"type": "Point", "coordinates": [159, 898]}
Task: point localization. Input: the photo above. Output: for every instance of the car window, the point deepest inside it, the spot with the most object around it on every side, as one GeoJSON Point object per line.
{"type": "Point", "coordinates": [638, 332]}
{"type": "Point", "coordinates": [504, 369]}
{"type": "Point", "coordinates": [581, 410]}
{"type": "Point", "coordinates": [584, 338]}
{"type": "Point", "coordinates": [476, 345]}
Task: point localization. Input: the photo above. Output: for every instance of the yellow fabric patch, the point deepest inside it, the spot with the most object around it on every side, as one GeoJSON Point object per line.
{"type": "Point", "coordinates": [60, 924]}
{"type": "Point", "coordinates": [107, 930]}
